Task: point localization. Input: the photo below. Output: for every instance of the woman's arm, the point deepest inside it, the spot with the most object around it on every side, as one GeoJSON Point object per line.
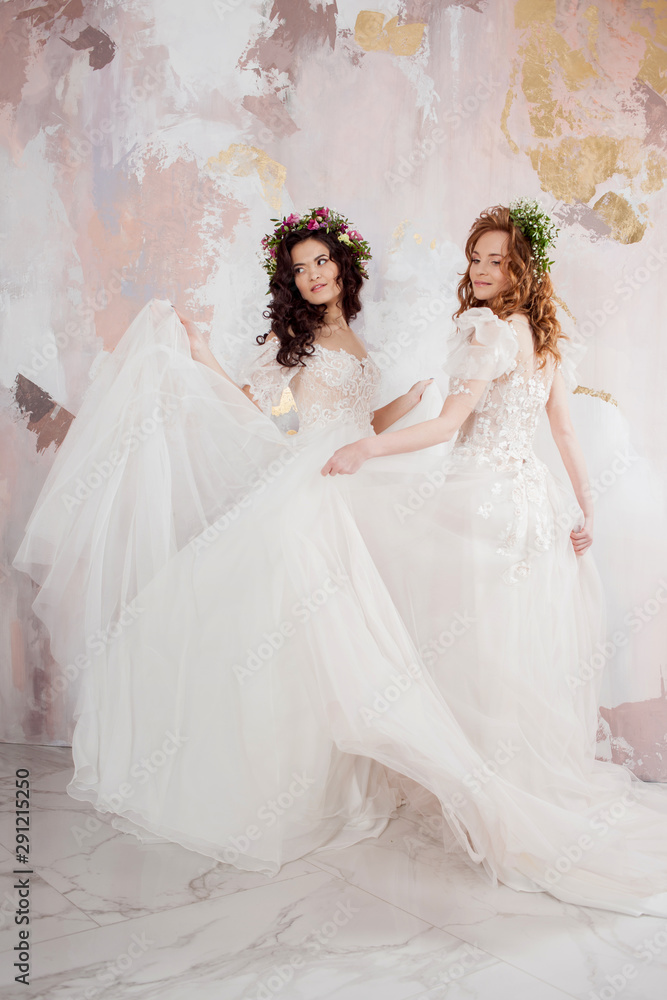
{"type": "Point", "coordinates": [389, 414]}
{"type": "Point", "coordinates": [457, 407]}
{"type": "Point", "coordinates": [201, 352]}
{"type": "Point", "coordinates": [573, 460]}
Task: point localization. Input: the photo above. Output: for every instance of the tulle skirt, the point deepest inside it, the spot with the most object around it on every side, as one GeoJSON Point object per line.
{"type": "Point", "coordinates": [267, 661]}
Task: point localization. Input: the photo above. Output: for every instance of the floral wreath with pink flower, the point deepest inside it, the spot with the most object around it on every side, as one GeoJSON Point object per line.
{"type": "Point", "coordinates": [318, 218]}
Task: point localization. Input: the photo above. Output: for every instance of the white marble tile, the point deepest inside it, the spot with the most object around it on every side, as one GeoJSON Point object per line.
{"type": "Point", "coordinates": [120, 878]}
{"type": "Point", "coordinates": [111, 876]}
{"type": "Point", "coordinates": [428, 924]}
{"type": "Point", "coordinates": [579, 950]}
{"type": "Point", "coordinates": [60, 827]}
{"type": "Point", "coordinates": [410, 869]}
{"type": "Point", "coordinates": [39, 760]}
{"type": "Point", "coordinates": [54, 781]}
{"type": "Point", "coordinates": [309, 938]}
{"type": "Point", "coordinates": [587, 953]}
{"type": "Point", "coordinates": [497, 982]}
{"type": "Point", "coordinates": [51, 914]}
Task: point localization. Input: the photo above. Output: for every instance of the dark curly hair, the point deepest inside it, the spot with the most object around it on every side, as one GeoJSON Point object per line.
{"type": "Point", "coordinates": [528, 292]}
{"type": "Point", "coordinates": [295, 321]}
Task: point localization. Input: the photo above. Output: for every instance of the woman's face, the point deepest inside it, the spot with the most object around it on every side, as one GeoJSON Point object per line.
{"type": "Point", "coordinates": [487, 273]}
{"type": "Point", "coordinates": [315, 273]}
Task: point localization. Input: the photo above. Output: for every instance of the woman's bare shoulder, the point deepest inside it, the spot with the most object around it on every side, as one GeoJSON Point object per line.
{"type": "Point", "coordinates": [520, 317]}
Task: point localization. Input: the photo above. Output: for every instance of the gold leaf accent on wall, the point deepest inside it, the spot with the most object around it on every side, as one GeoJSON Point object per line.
{"type": "Point", "coordinates": [656, 171]}
{"type": "Point", "coordinates": [564, 306]}
{"type": "Point", "coordinates": [398, 234]}
{"type": "Point", "coordinates": [561, 70]}
{"type": "Point", "coordinates": [368, 31]}
{"type": "Point", "coordinates": [527, 12]}
{"type": "Point", "coordinates": [620, 217]}
{"type": "Point", "coordinates": [242, 160]}
{"type": "Point", "coordinates": [373, 35]}
{"type": "Point", "coordinates": [598, 393]}
{"type": "Point", "coordinates": [653, 69]}
{"type": "Point", "coordinates": [592, 15]}
{"type": "Point", "coordinates": [544, 52]}
{"type": "Point", "coordinates": [286, 403]}
{"type": "Point", "coordinates": [574, 167]}
{"type": "Point", "coordinates": [504, 118]}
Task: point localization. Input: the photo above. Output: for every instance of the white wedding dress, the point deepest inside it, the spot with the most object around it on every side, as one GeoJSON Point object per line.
{"type": "Point", "coordinates": [267, 659]}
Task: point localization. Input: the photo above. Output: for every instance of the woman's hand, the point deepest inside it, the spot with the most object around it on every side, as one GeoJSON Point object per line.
{"type": "Point", "coordinates": [583, 538]}
{"type": "Point", "coordinates": [415, 394]}
{"type": "Point", "coordinates": [197, 342]}
{"type": "Point", "coordinates": [201, 352]}
{"type": "Point", "coordinates": [349, 458]}
{"type": "Point", "coordinates": [389, 414]}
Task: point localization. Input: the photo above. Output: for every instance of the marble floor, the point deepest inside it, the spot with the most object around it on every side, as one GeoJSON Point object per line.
{"type": "Point", "coordinates": [396, 918]}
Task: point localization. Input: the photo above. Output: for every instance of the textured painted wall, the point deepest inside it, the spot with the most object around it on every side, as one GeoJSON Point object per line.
{"type": "Point", "coordinates": [146, 145]}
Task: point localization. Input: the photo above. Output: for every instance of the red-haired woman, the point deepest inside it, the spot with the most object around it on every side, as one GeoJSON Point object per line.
{"type": "Point", "coordinates": [503, 282]}
{"type": "Point", "coordinates": [495, 581]}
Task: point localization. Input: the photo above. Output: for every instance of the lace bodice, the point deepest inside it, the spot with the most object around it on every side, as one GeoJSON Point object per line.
{"type": "Point", "coordinates": [498, 435]}
{"type": "Point", "coordinates": [333, 386]}
{"type": "Point", "coordinates": [499, 432]}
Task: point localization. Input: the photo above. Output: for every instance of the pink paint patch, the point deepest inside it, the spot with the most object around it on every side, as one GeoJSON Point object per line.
{"type": "Point", "coordinates": [151, 238]}
{"type": "Point", "coordinates": [293, 24]}
{"type": "Point", "coordinates": [45, 14]}
{"type": "Point", "coordinates": [15, 46]}
{"type": "Point", "coordinates": [18, 655]}
{"type": "Point", "coordinates": [271, 111]}
{"type": "Point", "coordinates": [639, 736]}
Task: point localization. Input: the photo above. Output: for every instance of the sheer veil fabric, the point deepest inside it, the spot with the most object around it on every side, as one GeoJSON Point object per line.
{"type": "Point", "coordinates": [267, 660]}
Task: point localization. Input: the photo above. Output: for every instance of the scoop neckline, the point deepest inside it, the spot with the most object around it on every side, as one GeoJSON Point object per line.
{"type": "Point", "coordinates": [341, 350]}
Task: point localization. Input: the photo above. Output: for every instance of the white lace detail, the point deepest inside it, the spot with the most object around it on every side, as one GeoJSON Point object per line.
{"type": "Point", "coordinates": [498, 436]}
{"type": "Point", "coordinates": [267, 379]}
{"type": "Point", "coordinates": [334, 385]}
{"type": "Point", "coordinates": [458, 386]}
{"type": "Point", "coordinates": [529, 495]}
{"type": "Point", "coordinates": [499, 433]}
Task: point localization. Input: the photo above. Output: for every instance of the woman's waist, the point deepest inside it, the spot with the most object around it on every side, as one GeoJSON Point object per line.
{"type": "Point", "coordinates": [347, 423]}
{"type": "Point", "coordinates": [496, 456]}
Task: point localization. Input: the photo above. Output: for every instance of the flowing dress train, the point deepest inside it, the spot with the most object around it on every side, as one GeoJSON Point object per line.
{"type": "Point", "coordinates": [263, 655]}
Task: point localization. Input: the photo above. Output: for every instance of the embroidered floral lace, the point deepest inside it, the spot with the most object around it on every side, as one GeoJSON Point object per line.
{"type": "Point", "coordinates": [333, 385]}
{"type": "Point", "coordinates": [498, 435]}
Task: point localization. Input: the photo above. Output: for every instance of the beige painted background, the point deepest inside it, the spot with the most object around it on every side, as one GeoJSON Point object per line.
{"type": "Point", "coordinates": [146, 145]}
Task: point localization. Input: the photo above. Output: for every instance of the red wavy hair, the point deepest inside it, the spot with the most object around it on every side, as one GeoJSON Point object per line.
{"type": "Point", "coordinates": [528, 292]}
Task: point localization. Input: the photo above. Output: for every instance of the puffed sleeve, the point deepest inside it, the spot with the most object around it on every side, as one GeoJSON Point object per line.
{"type": "Point", "coordinates": [483, 347]}
{"type": "Point", "coordinates": [268, 379]}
